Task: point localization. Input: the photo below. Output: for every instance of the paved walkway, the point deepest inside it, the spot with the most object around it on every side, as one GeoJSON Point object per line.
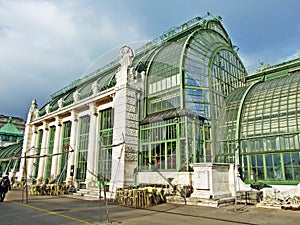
{"type": "Point", "coordinates": [79, 211]}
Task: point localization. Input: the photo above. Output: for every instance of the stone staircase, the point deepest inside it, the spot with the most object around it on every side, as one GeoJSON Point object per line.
{"type": "Point", "coordinates": [87, 194]}
{"type": "Point", "coordinates": [91, 194]}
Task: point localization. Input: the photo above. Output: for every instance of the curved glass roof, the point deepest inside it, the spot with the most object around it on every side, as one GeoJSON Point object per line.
{"type": "Point", "coordinates": [85, 89]}
{"type": "Point", "coordinates": [228, 122]}
{"type": "Point", "coordinates": [13, 150]}
{"type": "Point", "coordinates": [267, 110]}
{"type": "Point", "coordinates": [189, 71]}
{"type": "Point", "coordinates": [271, 108]}
{"type": "Point", "coordinates": [261, 124]}
{"type": "Point", "coordinates": [164, 59]}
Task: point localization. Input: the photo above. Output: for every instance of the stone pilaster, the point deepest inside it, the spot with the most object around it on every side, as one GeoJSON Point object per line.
{"type": "Point", "coordinates": [32, 151]}
{"type": "Point", "coordinates": [90, 173]}
{"type": "Point", "coordinates": [125, 130]}
{"type": "Point", "coordinates": [27, 137]}
{"type": "Point", "coordinates": [73, 138]}
{"type": "Point", "coordinates": [41, 171]}
{"type": "Point", "coordinates": [57, 140]}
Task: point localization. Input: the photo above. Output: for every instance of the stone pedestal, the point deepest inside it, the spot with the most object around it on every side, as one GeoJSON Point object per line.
{"type": "Point", "coordinates": [211, 180]}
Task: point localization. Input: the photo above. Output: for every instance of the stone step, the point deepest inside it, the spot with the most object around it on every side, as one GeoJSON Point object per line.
{"type": "Point", "coordinates": [90, 194]}
{"type": "Point", "coordinates": [201, 201]}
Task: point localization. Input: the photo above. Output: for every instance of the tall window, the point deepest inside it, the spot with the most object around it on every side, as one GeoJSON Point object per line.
{"type": "Point", "coordinates": [50, 151]}
{"type": "Point", "coordinates": [36, 162]}
{"type": "Point", "coordinates": [105, 140]}
{"type": "Point", "coordinates": [171, 144]}
{"type": "Point", "coordinates": [159, 145]}
{"type": "Point", "coordinates": [84, 126]}
{"type": "Point", "coordinates": [65, 143]}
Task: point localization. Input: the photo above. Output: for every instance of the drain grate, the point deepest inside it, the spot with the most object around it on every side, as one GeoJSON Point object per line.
{"type": "Point", "coordinates": [60, 210]}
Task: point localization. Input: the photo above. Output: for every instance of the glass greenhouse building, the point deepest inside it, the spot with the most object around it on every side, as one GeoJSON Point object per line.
{"type": "Point", "coordinates": [261, 126]}
{"type": "Point", "coordinates": [181, 99]}
{"type": "Point", "coordinates": [188, 79]}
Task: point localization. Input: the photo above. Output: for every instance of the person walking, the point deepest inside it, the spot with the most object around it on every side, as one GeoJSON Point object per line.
{"type": "Point", "coordinates": [4, 187]}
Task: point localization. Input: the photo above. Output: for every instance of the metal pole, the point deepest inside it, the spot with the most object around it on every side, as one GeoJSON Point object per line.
{"type": "Point", "coordinates": [100, 200]}
{"type": "Point", "coordinates": [102, 184]}
{"type": "Point", "coordinates": [100, 175]}
{"type": "Point", "coordinates": [26, 186]}
{"type": "Point", "coordinates": [72, 172]}
{"type": "Point", "coordinates": [235, 192]}
{"type": "Point", "coordinates": [107, 214]}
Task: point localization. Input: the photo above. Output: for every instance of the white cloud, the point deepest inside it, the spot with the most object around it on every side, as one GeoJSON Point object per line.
{"type": "Point", "coordinates": [295, 55]}
{"type": "Point", "coordinates": [45, 45]}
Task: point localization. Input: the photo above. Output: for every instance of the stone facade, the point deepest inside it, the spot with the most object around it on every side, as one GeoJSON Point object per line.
{"type": "Point", "coordinates": [122, 98]}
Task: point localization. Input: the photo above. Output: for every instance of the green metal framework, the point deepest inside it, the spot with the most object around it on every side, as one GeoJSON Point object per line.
{"type": "Point", "coordinates": [13, 150]}
{"type": "Point", "coordinates": [84, 88]}
{"type": "Point", "coordinates": [158, 148]}
{"type": "Point", "coordinates": [193, 72]}
{"type": "Point", "coordinates": [261, 125]}
{"type": "Point", "coordinates": [164, 144]}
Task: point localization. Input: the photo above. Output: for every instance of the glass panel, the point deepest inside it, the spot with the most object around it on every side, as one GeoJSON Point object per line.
{"type": "Point", "coordinates": [50, 151]}
{"type": "Point", "coordinates": [84, 125]}
{"type": "Point", "coordinates": [288, 167]}
{"type": "Point", "coordinates": [105, 140]}
{"type": "Point", "coordinates": [35, 168]}
{"type": "Point", "coordinates": [65, 143]}
{"type": "Point", "coordinates": [159, 144]}
{"type": "Point", "coordinates": [257, 167]}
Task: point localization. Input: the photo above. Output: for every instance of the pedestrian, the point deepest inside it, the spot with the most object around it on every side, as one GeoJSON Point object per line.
{"type": "Point", "coordinates": [4, 187]}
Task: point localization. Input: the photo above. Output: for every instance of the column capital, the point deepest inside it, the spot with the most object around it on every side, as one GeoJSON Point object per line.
{"type": "Point", "coordinates": [45, 125]}
{"type": "Point", "coordinates": [74, 116]}
{"type": "Point", "coordinates": [58, 121]}
{"type": "Point", "coordinates": [33, 129]}
{"type": "Point", "coordinates": [93, 109]}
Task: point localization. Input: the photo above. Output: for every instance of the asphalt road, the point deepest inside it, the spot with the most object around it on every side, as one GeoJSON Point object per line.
{"type": "Point", "coordinates": [65, 210]}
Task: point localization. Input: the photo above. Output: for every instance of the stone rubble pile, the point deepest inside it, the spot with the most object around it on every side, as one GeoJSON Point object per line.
{"type": "Point", "coordinates": [289, 199]}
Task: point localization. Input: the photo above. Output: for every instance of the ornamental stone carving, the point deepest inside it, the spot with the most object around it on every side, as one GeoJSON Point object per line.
{"type": "Point", "coordinates": [33, 106]}
{"type": "Point", "coordinates": [126, 56]}
{"type": "Point", "coordinates": [124, 74]}
{"type": "Point", "coordinates": [47, 108]}
{"type": "Point", "coordinates": [130, 156]}
{"type": "Point", "coordinates": [95, 87]}
{"type": "Point", "coordinates": [60, 103]}
{"type": "Point", "coordinates": [33, 111]}
{"type": "Point", "coordinates": [76, 96]}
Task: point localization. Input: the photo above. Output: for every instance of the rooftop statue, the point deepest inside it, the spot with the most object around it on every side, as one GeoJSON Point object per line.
{"type": "Point", "coordinates": [126, 56]}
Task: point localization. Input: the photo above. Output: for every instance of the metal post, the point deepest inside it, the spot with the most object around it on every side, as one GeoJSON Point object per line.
{"type": "Point", "coordinates": [235, 181]}
{"type": "Point", "coordinates": [72, 166]}
{"type": "Point", "coordinates": [25, 186]}
{"type": "Point", "coordinates": [107, 214]}
{"type": "Point", "coordinates": [102, 184]}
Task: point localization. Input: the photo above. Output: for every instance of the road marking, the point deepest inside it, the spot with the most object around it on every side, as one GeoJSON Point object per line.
{"type": "Point", "coordinates": [55, 213]}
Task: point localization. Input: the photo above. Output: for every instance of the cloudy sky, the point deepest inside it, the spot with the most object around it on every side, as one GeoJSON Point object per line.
{"type": "Point", "coordinates": [45, 45]}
